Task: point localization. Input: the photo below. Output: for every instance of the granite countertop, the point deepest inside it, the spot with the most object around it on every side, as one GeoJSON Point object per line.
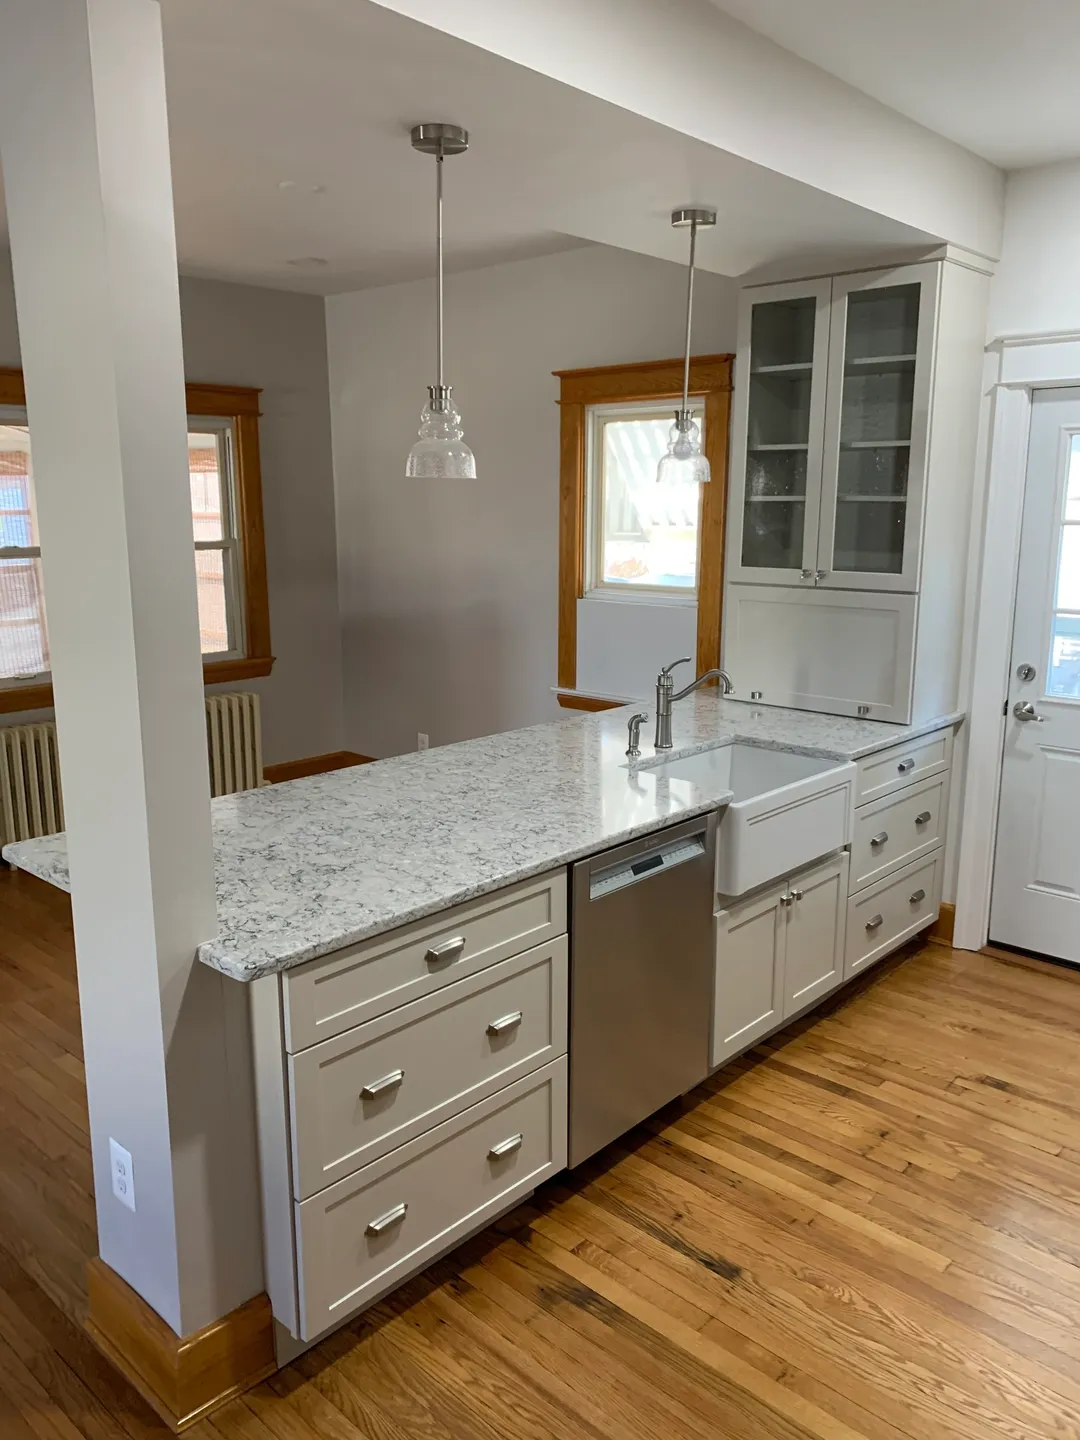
{"type": "Point", "coordinates": [307, 867]}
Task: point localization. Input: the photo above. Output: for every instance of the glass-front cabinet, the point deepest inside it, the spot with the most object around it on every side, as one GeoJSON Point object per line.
{"type": "Point", "coordinates": [830, 443]}
{"type": "Point", "coordinates": [779, 430]}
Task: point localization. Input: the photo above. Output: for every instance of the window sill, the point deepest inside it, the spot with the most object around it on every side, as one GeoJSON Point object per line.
{"type": "Point", "coordinates": [686, 599]}
{"type": "Point", "coordinates": [23, 698]}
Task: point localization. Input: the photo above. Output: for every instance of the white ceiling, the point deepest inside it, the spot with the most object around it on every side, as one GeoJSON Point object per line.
{"type": "Point", "coordinates": [289, 122]}
{"type": "Point", "coordinates": [999, 78]}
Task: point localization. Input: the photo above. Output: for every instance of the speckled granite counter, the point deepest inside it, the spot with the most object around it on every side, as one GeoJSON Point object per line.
{"type": "Point", "coordinates": [307, 867]}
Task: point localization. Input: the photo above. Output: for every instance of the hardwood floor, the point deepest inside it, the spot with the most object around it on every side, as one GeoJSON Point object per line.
{"type": "Point", "coordinates": [869, 1228]}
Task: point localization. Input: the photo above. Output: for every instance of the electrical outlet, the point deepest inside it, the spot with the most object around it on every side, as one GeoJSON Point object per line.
{"type": "Point", "coordinates": [123, 1174]}
{"type": "Point", "coordinates": [422, 741]}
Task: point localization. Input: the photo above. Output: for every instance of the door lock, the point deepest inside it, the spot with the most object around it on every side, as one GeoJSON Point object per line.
{"type": "Point", "coordinates": [1025, 672]}
{"type": "Point", "coordinates": [1024, 710]}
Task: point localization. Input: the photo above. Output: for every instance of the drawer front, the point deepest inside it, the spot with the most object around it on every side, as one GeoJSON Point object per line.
{"type": "Point", "coordinates": [886, 914]}
{"type": "Point", "coordinates": [892, 832]}
{"type": "Point", "coordinates": [333, 994]}
{"type": "Point", "coordinates": [360, 1095]}
{"type": "Point", "coordinates": [902, 765]}
{"type": "Point", "coordinates": [367, 1234]}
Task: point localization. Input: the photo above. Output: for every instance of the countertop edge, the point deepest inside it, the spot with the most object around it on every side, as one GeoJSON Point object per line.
{"type": "Point", "coordinates": [225, 964]}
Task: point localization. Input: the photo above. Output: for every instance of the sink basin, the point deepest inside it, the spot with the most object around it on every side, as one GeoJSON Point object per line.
{"type": "Point", "coordinates": [787, 811]}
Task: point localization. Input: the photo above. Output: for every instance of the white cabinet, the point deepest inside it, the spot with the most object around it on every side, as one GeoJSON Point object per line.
{"type": "Point", "coordinates": [814, 943]}
{"type": "Point", "coordinates": [829, 650]}
{"type": "Point", "coordinates": [853, 458]}
{"type": "Point", "coordinates": [777, 953]}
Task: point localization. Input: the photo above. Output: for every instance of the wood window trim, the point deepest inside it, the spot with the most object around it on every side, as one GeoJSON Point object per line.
{"type": "Point", "coordinates": [710, 376]}
{"type": "Point", "coordinates": [240, 404]}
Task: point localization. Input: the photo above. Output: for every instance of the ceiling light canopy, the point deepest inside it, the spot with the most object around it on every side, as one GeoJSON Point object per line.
{"type": "Point", "coordinates": [685, 460]}
{"type": "Point", "coordinates": [440, 453]}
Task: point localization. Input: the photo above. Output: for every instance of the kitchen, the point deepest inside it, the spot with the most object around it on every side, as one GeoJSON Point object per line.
{"type": "Point", "coordinates": [426, 986]}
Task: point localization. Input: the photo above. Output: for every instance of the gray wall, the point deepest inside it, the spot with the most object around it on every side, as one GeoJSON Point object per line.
{"type": "Point", "coordinates": [449, 592]}
{"type": "Point", "coordinates": [242, 335]}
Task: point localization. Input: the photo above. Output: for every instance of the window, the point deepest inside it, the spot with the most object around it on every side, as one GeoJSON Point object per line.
{"type": "Point", "coordinates": [642, 537]}
{"type": "Point", "coordinates": [1064, 677]}
{"type": "Point", "coordinates": [226, 516]}
{"type": "Point", "coordinates": [619, 533]}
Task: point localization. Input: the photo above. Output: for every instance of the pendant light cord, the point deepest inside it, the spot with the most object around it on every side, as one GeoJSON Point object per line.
{"type": "Point", "coordinates": [439, 265]}
{"type": "Point", "coordinates": [689, 316]}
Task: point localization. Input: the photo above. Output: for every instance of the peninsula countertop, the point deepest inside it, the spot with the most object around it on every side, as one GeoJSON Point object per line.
{"type": "Point", "coordinates": [309, 866]}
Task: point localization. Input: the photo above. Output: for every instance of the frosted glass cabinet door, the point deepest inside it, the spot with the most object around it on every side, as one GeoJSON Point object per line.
{"type": "Point", "coordinates": [876, 431]}
{"type": "Point", "coordinates": [779, 432]}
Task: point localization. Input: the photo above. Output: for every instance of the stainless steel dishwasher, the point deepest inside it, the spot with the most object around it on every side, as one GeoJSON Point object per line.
{"type": "Point", "coordinates": [640, 980]}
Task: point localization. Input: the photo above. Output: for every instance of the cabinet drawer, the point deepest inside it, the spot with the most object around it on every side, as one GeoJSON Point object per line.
{"type": "Point", "coordinates": [333, 994]}
{"type": "Point", "coordinates": [359, 1095]}
{"type": "Point", "coordinates": [368, 1233]}
{"type": "Point", "coordinates": [886, 914]}
{"type": "Point", "coordinates": [900, 765]}
{"type": "Point", "coordinates": [894, 831]}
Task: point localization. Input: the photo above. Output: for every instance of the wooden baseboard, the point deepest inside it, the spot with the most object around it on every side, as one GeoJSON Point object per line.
{"type": "Point", "coordinates": [183, 1378]}
{"type": "Point", "coordinates": [944, 926]}
{"type": "Point", "coordinates": [313, 765]}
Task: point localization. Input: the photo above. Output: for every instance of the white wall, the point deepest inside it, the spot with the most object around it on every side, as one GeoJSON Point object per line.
{"type": "Point", "coordinates": [243, 335]}
{"type": "Point", "coordinates": [1037, 287]}
{"type": "Point", "coordinates": [449, 593]}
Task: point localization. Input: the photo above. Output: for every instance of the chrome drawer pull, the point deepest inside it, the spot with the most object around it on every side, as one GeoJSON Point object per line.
{"type": "Point", "coordinates": [906, 765]}
{"type": "Point", "coordinates": [380, 1087]}
{"type": "Point", "coordinates": [876, 841]}
{"type": "Point", "coordinates": [924, 818]}
{"type": "Point", "coordinates": [504, 1023]}
{"type": "Point", "coordinates": [505, 1147]}
{"type": "Point", "coordinates": [384, 1222]}
{"type": "Point", "coordinates": [918, 897]}
{"type": "Point", "coordinates": [875, 922]}
{"type": "Point", "coordinates": [446, 950]}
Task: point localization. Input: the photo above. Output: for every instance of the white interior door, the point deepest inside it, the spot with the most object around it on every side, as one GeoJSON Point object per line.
{"type": "Point", "coordinates": [1036, 892]}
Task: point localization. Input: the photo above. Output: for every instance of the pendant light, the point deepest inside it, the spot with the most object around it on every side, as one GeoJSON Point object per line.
{"type": "Point", "coordinates": [440, 453]}
{"type": "Point", "coordinates": [684, 460]}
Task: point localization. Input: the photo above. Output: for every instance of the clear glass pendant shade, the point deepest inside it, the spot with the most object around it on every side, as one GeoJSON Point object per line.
{"type": "Point", "coordinates": [440, 453]}
{"type": "Point", "coordinates": [684, 461]}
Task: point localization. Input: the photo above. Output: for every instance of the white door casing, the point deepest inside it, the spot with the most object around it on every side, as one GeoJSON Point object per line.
{"type": "Point", "coordinates": [1035, 900]}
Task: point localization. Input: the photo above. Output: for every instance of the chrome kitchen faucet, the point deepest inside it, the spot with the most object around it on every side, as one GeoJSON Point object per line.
{"type": "Point", "coordinates": [664, 696]}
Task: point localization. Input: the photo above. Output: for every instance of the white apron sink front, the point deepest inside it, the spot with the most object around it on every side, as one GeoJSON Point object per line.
{"type": "Point", "coordinates": [788, 809]}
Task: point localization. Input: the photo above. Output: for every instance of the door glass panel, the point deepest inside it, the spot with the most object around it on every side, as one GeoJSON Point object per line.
{"type": "Point", "coordinates": [1063, 677]}
{"type": "Point", "coordinates": [875, 429]}
{"type": "Point", "coordinates": [778, 434]}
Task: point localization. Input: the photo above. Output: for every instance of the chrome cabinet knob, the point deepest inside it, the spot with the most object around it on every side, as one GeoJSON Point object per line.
{"type": "Point", "coordinates": [820, 574]}
{"type": "Point", "coordinates": [906, 765]}
{"type": "Point", "coordinates": [807, 574]}
{"type": "Point", "coordinates": [1024, 710]}
{"type": "Point", "coordinates": [796, 894]}
{"type": "Point", "coordinates": [876, 841]}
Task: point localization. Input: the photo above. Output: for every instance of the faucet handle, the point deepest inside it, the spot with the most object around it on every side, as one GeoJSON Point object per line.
{"type": "Point", "coordinates": [633, 726]}
{"type": "Point", "coordinates": [667, 669]}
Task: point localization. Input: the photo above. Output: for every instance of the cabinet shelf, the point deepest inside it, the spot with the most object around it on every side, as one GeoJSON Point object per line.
{"type": "Point", "coordinates": [868, 362]}
{"type": "Point", "coordinates": [757, 449]}
{"type": "Point", "coordinates": [875, 444]}
{"type": "Point", "coordinates": [776, 499]}
{"type": "Point", "coordinates": [871, 499]}
{"type": "Point", "coordinates": [799, 367]}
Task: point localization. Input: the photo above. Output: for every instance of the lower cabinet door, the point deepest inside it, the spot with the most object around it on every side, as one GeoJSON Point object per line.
{"type": "Point", "coordinates": [748, 994]}
{"type": "Point", "coordinates": [816, 922]}
{"type": "Point", "coordinates": [366, 1234]}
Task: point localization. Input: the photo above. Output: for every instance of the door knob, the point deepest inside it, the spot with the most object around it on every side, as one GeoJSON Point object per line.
{"type": "Point", "coordinates": [1024, 710]}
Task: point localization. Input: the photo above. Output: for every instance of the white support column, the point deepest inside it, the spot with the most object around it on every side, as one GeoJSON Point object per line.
{"type": "Point", "coordinates": [85, 154]}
